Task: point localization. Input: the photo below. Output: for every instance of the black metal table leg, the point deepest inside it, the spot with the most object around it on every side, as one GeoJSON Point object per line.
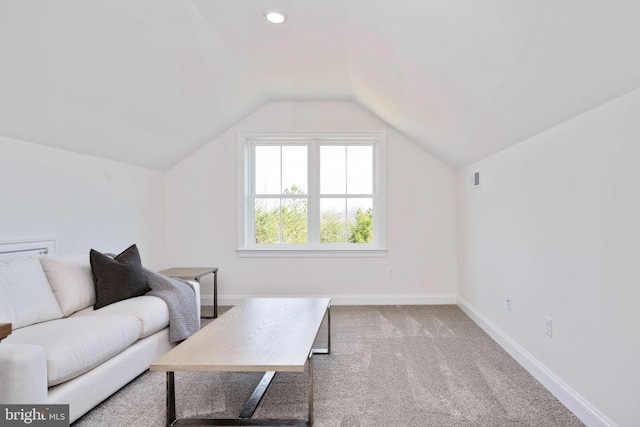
{"type": "Point", "coordinates": [171, 399]}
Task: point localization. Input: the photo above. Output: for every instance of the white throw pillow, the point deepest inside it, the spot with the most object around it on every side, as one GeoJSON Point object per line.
{"type": "Point", "coordinates": [25, 295]}
{"type": "Point", "coordinates": [71, 280]}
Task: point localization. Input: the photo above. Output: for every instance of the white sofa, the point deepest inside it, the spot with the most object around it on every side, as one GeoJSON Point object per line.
{"type": "Point", "coordinates": [61, 350]}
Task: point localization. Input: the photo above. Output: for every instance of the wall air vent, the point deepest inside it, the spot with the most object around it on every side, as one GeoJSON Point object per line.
{"type": "Point", "coordinates": [474, 181]}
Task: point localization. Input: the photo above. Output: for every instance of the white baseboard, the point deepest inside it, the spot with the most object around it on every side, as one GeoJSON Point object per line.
{"type": "Point", "coordinates": [589, 415]}
{"type": "Point", "coordinates": [420, 299]}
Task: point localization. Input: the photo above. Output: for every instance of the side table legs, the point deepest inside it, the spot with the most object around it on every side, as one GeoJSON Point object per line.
{"type": "Point", "coordinates": [195, 273]}
{"type": "Point", "coordinates": [215, 296]}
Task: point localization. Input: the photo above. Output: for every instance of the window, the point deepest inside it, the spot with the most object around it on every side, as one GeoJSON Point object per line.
{"type": "Point", "coordinates": [311, 194]}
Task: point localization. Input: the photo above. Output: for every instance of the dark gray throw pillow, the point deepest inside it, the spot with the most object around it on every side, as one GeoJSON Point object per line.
{"type": "Point", "coordinates": [117, 278]}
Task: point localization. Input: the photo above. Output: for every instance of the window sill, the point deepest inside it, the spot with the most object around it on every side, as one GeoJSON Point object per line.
{"type": "Point", "coordinates": [311, 253]}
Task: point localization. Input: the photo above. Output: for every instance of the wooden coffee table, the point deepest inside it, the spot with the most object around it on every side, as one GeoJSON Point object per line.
{"type": "Point", "coordinates": [258, 335]}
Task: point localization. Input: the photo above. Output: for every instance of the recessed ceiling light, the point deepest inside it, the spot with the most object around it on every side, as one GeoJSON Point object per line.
{"type": "Point", "coordinates": [275, 16]}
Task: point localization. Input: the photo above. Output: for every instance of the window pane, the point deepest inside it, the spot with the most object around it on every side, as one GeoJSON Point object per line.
{"type": "Point", "coordinates": [294, 170]}
{"type": "Point", "coordinates": [360, 220]}
{"type": "Point", "coordinates": [333, 179]}
{"type": "Point", "coordinates": [267, 170]}
{"type": "Point", "coordinates": [359, 169]}
{"type": "Point", "coordinates": [281, 220]}
{"type": "Point", "coordinates": [267, 220]}
{"type": "Point", "coordinates": [333, 220]}
{"type": "Point", "coordinates": [294, 220]}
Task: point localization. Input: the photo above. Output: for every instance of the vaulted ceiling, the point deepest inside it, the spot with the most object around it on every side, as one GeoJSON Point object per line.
{"type": "Point", "coordinates": [148, 82]}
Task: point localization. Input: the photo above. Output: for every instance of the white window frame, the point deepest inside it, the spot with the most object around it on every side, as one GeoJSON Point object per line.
{"type": "Point", "coordinates": [245, 167]}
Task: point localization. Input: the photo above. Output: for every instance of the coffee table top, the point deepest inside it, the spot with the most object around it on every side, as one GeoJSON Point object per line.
{"type": "Point", "coordinates": [258, 335]}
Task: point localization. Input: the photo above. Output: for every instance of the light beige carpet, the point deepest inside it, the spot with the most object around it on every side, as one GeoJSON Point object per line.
{"type": "Point", "coordinates": [390, 366]}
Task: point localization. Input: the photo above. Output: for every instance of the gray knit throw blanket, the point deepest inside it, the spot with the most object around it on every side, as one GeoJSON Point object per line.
{"type": "Point", "coordinates": [180, 297]}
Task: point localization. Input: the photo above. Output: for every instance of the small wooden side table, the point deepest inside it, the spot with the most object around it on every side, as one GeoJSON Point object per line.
{"type": "Point", "coordinates": [5, 330]}
{"type": "Point", "coordinates": [195, 273]}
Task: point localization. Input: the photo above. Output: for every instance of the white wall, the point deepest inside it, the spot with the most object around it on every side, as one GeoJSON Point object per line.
{"type": "Point", "coordinates": [83, 201]}
{"type": "Point", "coordinates": [556, 225]}
{"type": "Point", "coordinates": [421, 228]}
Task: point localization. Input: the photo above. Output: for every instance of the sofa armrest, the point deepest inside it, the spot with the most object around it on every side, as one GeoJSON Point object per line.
{"type": "Point", "coordinates": [23, 374]}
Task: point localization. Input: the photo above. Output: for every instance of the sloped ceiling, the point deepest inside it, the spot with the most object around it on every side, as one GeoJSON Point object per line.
{"type": "Point", "coordinates": [148, 82]}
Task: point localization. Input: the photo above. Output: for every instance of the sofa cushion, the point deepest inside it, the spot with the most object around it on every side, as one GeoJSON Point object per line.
{"type": "Point", "coordinates": [25, 295]}
{"type": "Point", "coordinates": [71, 281]}
{"type": "Point", "coordinates": [75, 345]}
{"type": "Point", "coordinates": [117, 278]}
{"type": "Point", "coordinates": [151, 311]}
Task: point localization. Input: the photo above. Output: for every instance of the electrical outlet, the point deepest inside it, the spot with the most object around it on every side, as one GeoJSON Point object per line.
{"type": "Point", "coordinates": [508, 303]}
{"type": "Point", "coordinates": [548, 326]}
{"type": "Point", "coordinates": [391, 272]}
